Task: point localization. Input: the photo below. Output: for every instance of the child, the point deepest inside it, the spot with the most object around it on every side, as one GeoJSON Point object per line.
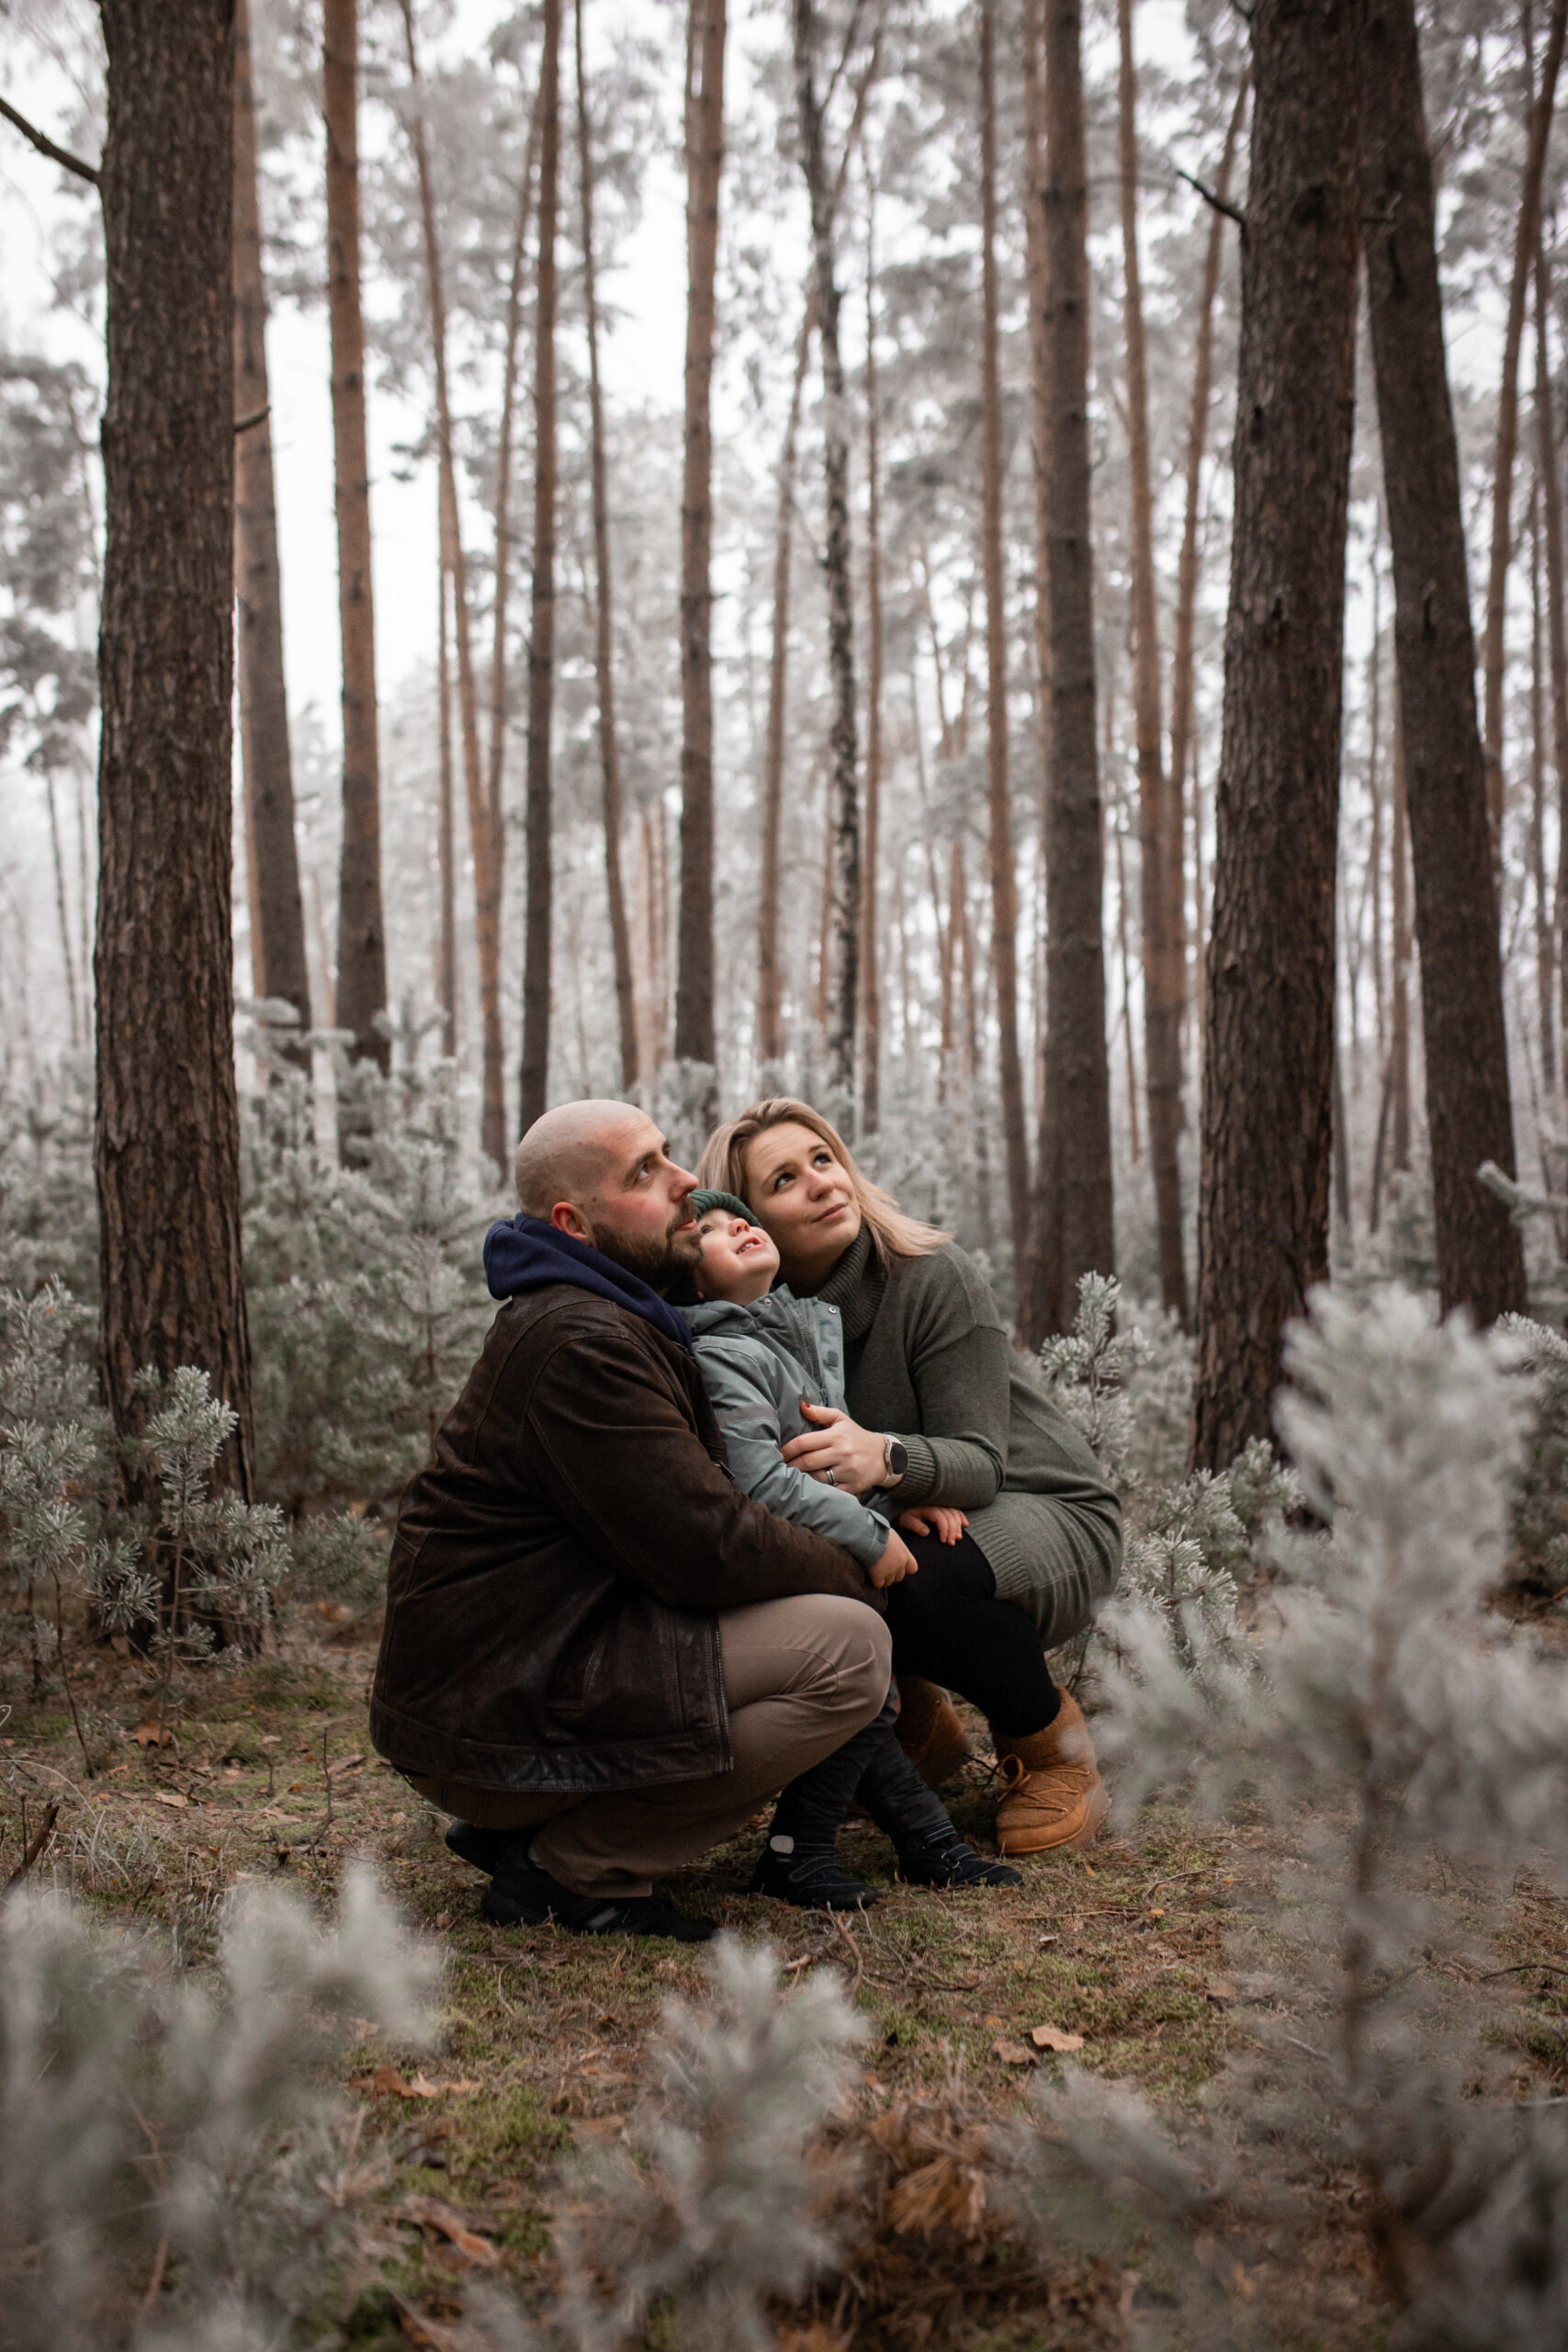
{"type": "Point", "coordinates": [761, 1353]}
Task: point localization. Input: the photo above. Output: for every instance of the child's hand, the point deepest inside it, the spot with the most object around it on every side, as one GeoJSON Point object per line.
{"type": "Point", "coordinates": [935, 1519]}
{"type": "Point", "coordinates": [897, 1563]}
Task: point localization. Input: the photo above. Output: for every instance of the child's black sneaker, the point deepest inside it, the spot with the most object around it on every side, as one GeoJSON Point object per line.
{"type": "Point", "coordinates": [945, 1860]}
{"type": "Point", "coordinates": [807, 1876]}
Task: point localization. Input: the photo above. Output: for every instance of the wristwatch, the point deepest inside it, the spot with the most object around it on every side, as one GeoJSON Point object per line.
{"type": "Point", "coordinates": [895, 1460]}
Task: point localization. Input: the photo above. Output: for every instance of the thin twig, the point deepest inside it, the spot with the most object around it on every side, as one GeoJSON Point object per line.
{"type": "Point", "coordinates": [1221, 203]}
{"type": "Point", "coordinates": [45, 146]}
{"type": "Point", "coordinates": [256, 416]}
{"type": "Point", "coordinates": [1524, 1968]}
{"type": "Point", "coordinates": [36, 1843]}
{"type": "Point", "coordinates": [854, 1946]}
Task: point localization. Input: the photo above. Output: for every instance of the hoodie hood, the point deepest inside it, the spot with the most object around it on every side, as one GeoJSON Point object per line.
{"type": "Point", "coordinates": [525, 1253]}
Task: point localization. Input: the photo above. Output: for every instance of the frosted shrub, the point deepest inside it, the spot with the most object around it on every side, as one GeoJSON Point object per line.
{"type": "Point", "coordinates": [1392, 1715]}
{"type": "Point", "coordinates": [721, 2203]}
{"type": "Point", "coordinates": [1192, 1544]}
{"type": "Point", "coordinates": [171, 2131]}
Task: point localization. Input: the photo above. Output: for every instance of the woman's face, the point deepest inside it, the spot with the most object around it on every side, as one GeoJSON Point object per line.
{"type": "Point", "coordinates": [803, 1197]}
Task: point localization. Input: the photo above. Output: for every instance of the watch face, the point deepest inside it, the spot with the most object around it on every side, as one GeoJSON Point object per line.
{"type": "Point", "coordinates": [897, 1456]}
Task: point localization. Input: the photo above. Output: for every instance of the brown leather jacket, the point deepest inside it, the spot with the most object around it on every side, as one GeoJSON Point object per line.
{"type": "Point", "coordinates": [557, 1567]}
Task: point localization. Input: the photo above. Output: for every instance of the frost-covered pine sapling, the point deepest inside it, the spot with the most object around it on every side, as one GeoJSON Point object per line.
{"type": "Point", "coordinates": [1087, 1369]}
{"type": "Point", "coordinates": [174, 2130]}
{"type": "Point", "coordinates": [722, 2205]}
{"type": "Point", "coordinates": [223, 1555]}
{"type": "Point", "coordinates": [1392, 1715]}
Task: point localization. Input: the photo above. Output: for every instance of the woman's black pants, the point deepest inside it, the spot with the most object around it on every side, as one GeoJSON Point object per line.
{"type": "Point", "coordinates": [949, 1627]}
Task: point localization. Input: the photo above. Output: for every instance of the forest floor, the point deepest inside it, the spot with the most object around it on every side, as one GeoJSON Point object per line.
{"type": "Point", "coordinates": [1133, 1946]}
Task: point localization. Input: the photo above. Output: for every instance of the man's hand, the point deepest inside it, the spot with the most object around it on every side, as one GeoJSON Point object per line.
{"type": "Point", "coordinates": [855, 1457]}
{"type": "Point", "coordinates": [897, 1563]}
{"type": "Point", "coordinates": [935, 1519]}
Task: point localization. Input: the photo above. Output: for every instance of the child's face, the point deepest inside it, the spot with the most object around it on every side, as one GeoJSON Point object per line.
{"type": "Point", "coordinates": [735, 1260]}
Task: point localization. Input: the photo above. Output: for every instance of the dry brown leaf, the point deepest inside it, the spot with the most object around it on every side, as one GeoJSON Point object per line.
{"type": "Point", "coordinates": [1013, 2053]}
{"type": "Point", "coordinates": [170, 1797]}
{"type": "Point", "coordinates": [432, 2214]}
{"type": "Point", "coordinates": [153, 1735]}
{"type": "Point", "coordinates": [1221, 1990]}
{"type": "Point", "coordinates": [1051, 2037]}
{"type": "Point", "coordinates": [598, 2126]}
{"type": "Point", "coordinates": [815, 2338]}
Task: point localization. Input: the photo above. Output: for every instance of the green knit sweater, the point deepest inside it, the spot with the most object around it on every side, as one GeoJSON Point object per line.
{"type": "Point", "coordinates": [928, 1360]}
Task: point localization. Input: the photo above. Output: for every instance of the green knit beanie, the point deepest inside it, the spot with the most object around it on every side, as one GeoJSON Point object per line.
{"type": "Point", "coordinates": [705, 1198]}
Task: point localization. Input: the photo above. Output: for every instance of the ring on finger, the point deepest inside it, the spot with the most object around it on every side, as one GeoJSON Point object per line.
{"type": "Point", "coordinates": [831, 1477]}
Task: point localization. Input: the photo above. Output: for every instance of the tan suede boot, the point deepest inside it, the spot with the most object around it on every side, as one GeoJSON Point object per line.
{"type": "Point", "coordinates": [1052, 1794]}
{"type": "Point", "coordinates": [928, 1730]}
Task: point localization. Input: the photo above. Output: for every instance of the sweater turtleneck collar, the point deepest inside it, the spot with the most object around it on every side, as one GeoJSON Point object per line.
{"type": "Point", "coordinates": [854, 1284]}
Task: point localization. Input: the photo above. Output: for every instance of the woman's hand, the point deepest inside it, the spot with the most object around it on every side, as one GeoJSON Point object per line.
{"type": "Point", "coordinates": [856, 1457]}
{"type": "Point", "coordinates": [897, 1563]}
{"type": "Point", "coordinates": [935, 1519]}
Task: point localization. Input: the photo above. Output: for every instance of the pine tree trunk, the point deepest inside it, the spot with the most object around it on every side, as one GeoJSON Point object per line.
{"type": "Point", "coordinates": [1556, 632]}
{"type": "Point", "coordinates": [504, 471]}
{"type": "Point", "coordinates": [1037, 279]}
{"type": "Point", "coordinates": [1506, 446]}
{"type": "Point", "coordinates": [871, 974]}
{"type": "Point", "coordinates": [1184, 665]}
{"type": "Point", "coordinates": [1469, 1118]}
{"type": "Point", "coordinates": [1159, 806]}
{"type": "Point", "coordinates": [1545, 972]}
{"type": "Point", "coordinates": [487, 849]}
{"type": "Point", "coordinates": [445, 846]}
{"type": "Point", "coordinates": [1003, 871]}
{"type": "Point", "coordinates": [770, 1020]}
{"type": "Point", "coordinates": [605, 633]}
{"type": "Point", "coordinates": [277, 939]}
{"type": "Point", "coordinates": [1268, 1049]}
{"type": "Point", "coordinates": [361, 990]}
{"type": "Point", "coordinates": [844, 782]}
{"type": "Point", "coordinates": [539, 821]}
{"type": "Point", "coordinates": [73, 993]}
{"type": "Point", "coordinates": [1399, 977]}
{"type": "Point", "coordinates": [1071, 1222]}
{"type": "Point", "coordinates": [695, 1030]}
{"type": "Point", "coordinates": [166, 1137]}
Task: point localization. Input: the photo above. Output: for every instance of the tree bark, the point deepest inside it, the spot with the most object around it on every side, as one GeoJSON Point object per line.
{"type": "Point", "coordinates": [166, 1135]}
{"type": "Point", "coordinates": [1071, 1221]}
{"type": "Point", "coordinates": [504, 468]}
{"type": "Point", "coordinates": [1556, 632]}
{"type": "Point", "coordinates": [871, 974]}
{"type": "Point", "coordinates": [1399, 978]}
{"type": "Point", "coordinates": [277, 945]}
{"type": "Point", "coordinates": [1159, 805]}
{"type": "Point", "coordinates": [695, 1030]}
{"type": "Point", "coordinates": [361, 990]}
{"type": "Point", "coordinates": [1269, 1053]}
{"type": "Point", "coordinates": [446, 934]}
{"type": "Point", "coordinates": [62, 911]}
{"type": "Point", "coordinates": [604, 635]}
{"type": "Point", "coordinates": [487, 848]}
{"type": "Point", "coordinates": [1469, 1118]}
{"type": "Point", "coordinates": [1506, 445]}
{"type": "Point", "coordinates": [539, 821]}
{"type": "Point", "coordinates": [1003, 871]}
{"type": "Point", "coordinates": [769, 1021]}
{"type": "Point", "coordinates": [1540, 893]}
{"type": "Point", "coordinates": [843, 784]}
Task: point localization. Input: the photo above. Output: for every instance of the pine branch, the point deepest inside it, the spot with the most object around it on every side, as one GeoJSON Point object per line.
{"type": "Point", "coordinates": [1220, 203]}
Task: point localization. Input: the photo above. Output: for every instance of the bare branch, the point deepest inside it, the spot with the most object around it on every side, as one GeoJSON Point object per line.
{"type": "Point", "coordinates": [70, 162]}
{"type": "Point", "coordinates": [1220, 203]}
{"type": "Point", "coordinates": [256, 416]}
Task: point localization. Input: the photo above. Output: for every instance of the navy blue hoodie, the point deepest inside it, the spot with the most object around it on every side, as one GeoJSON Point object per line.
{"type": "Point", "coordinates": [525, 1253]}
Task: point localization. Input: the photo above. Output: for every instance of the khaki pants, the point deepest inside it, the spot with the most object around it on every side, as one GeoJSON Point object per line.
{"type": "Point", "coordinates": [800, 1677]}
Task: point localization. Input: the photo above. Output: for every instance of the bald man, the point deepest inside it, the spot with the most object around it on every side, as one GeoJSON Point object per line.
{"type": "Point", "coordinates": [599, 1654]}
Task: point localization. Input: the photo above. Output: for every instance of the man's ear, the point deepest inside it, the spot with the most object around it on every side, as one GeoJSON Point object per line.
{"type": "Point", "coordinates": [570, 1220]}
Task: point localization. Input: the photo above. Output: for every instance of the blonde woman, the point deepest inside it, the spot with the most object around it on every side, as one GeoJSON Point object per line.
{"type": "Point", "coordinates": [1017, 1535]}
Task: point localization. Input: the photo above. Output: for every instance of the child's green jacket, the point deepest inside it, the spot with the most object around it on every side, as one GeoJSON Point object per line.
{"type": "Point", "coordinates": [758, 1362]}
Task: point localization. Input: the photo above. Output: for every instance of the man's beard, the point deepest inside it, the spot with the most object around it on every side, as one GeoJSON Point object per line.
{"type": "Point", "coordinates": [656, 1261]}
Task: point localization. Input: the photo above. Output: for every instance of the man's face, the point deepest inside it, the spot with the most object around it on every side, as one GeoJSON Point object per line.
{"type": "Point", "coordinates": [637, 1213]}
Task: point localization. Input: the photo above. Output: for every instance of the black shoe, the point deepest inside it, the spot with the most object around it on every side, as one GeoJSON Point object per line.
{"type": "Point", "coordinates": [931, 1852]}
{"type": "Point", "coordinates": [948, 1861]}
{"type": "Point", "coordinates": [483, 1848]}
{"type": "Point", "coordinates": [524, 1896]}
{"type": "Point", "coordinates": [810, 1877]}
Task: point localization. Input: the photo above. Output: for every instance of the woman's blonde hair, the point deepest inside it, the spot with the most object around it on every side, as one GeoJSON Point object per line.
{"type": "Point", "coordinates": [723, 1165]}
